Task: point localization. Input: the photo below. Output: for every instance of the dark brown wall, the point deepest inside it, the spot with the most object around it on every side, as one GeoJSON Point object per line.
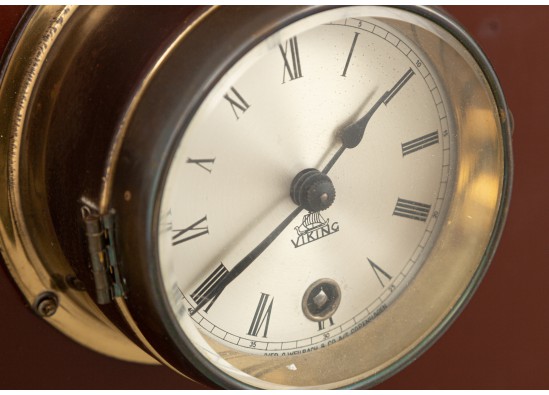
{"type": "Point", "coordinates": [501, 341]}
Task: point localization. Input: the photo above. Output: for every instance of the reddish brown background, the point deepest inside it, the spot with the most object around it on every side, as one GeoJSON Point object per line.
{"type": "Point", "coordinates": [501, 341]}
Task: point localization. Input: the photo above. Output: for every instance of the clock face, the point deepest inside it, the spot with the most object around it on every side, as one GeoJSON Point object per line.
{"type": "Point", "coordinates": [280, 110]}
{"type": "Point", "coordinates": [284, 197]}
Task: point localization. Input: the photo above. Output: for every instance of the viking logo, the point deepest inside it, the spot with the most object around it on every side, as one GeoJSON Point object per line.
{"type": "Point", "coordinates": [312, 228]}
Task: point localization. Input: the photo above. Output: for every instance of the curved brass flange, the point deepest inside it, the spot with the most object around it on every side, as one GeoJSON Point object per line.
{"type": "Point", "coordinates": [45, 277]}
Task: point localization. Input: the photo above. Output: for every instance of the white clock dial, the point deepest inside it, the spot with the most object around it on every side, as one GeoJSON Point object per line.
{"type": "Point", "coordinates": [281, 110]}
{"type": "Point", "coordinates": [271, 197]}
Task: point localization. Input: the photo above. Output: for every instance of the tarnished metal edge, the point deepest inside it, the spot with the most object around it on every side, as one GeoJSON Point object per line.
{"type": "Point", "coordinates": [76, 316]}
{"type": "Point", "coordinates": [106, 193]}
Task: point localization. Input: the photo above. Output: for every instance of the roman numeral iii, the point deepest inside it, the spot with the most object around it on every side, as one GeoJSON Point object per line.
{"type": "Point", "coordinates": [262, 316]}
{"type": "Point", "coordinates": [195, 230]}
{"type": "Point", "coordinates": [292, 64]}
{"type": "Point", "coordinates": [419, 143]}
{"type": "Point", "coordinates": [413, 210]}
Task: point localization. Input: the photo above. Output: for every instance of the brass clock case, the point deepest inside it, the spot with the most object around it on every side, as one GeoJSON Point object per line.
{"type": "Point", "coordinates": [96, 101]}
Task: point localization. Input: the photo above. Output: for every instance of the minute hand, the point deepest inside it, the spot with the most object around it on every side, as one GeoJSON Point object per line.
{"type": "Point", "coordinates": [246, 261]}
{"type": "Point", "coordinates": [352, 134]}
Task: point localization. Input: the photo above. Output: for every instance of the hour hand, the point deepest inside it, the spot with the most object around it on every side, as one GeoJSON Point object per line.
{"type": "Point", "coordinates": [352, 134]}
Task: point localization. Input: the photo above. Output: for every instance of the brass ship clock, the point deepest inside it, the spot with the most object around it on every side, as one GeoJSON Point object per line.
{"type": "Point", "coordinates": [247, 194]}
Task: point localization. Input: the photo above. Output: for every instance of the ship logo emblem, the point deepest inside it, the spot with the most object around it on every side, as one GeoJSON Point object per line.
{"type": "Point", "coordinates": [312, 228]}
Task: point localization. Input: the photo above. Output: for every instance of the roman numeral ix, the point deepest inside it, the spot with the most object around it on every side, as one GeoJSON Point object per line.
{"type": "Point", "coordinates": [292, 64]}
{"type": "Point", "coordinates": [413, 210]}
{"type": "Point", "coordinates": [189, 233]}
{"type": "Point", "coordinates": [262, 316]}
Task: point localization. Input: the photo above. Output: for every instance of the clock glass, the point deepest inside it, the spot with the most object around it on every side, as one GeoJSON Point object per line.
{"type": "Point", "coordinates": [250, 271]}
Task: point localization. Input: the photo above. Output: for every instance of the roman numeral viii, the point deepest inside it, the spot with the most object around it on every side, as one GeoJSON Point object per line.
{"type": "Point", "coordinates": [197, 229]}
{"type": "Point", "coordinates": [413, 210]}
{"type": "Point", "coordinates": [292, 64]}
{"type": "Point", "coordinates": [237, 102]}
{"type": "Point", "coordinates": [205, 291]}
{"type": "Point", "coordinates": [262, 316]}
{"type": "Point", "coordinates": [419, 143]}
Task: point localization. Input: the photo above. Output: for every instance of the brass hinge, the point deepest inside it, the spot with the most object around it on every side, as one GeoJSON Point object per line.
{"type": "Point", "coordinates": [100, 232]}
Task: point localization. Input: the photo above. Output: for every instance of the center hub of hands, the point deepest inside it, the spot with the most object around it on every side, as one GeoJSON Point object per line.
{"type": "Point", "coordinates": [312, 190]}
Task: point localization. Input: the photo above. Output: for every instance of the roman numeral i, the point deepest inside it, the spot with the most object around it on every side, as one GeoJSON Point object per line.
{"type": "Point", "coordinates": [344, 74]}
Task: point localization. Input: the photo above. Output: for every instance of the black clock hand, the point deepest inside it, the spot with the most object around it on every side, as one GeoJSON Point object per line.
{"type": "Point", "coordinates": [352, 134]}
{"type": "Point", "coordinates": [307, 181]}
{"type": "Point", "coordinates": [310, 190]}
{"type": "Point", "coordinates": [214, 292]}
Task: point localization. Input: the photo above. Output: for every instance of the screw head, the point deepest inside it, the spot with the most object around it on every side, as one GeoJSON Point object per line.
{"type": "Point", "coordinates": [46, 304]}
{"type": "Point", "coordinates": [321, 299]}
